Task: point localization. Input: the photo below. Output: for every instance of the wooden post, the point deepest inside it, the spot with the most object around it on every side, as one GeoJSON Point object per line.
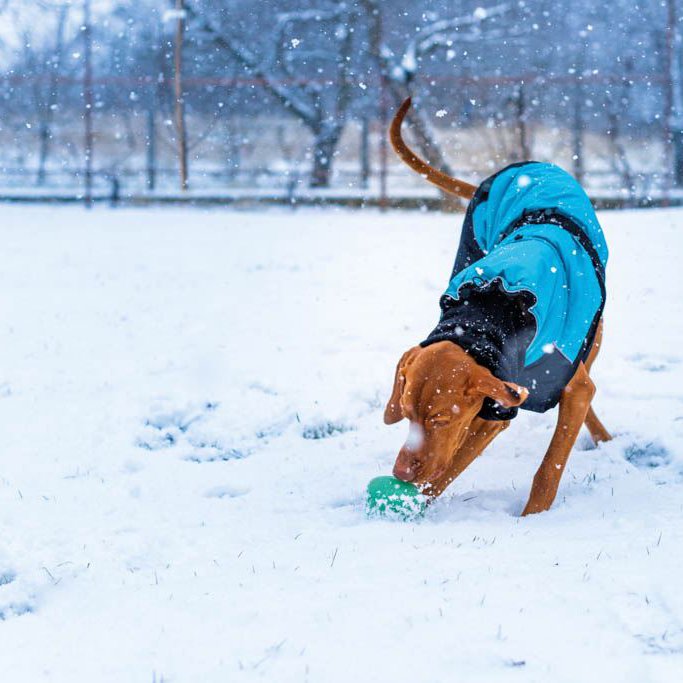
{"type": "Point", "coordinates": [375, 30]}
{"type": "Point", "coordinates": [383, 139]}
{"type": "Point", "coordinates": [669, 57]}
{"type": "Point", "coordinates": [520, 106]}
{"type": "Point", "coordinates": [178, 90]}
{"type": "Point", "coordinates": [151, 145]}
{"type": "Point", "coordinates": [88, 102]}
{"type": "Point", "coordinates": [45, 130]}
{"type": "Point", "coordinates": [676, 95]}
{"type": "Point", "coordinates": [577, 124]}
{"type": "Point", "coordinates": [364, 151]}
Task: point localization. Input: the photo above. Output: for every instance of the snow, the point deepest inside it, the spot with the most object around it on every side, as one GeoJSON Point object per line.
{"type": "Point", "coordinates": [174, 15]}
{"type": "Point", "coordinates": [36, 21]}
{"type": "Point", "coordinates": [190, 409]}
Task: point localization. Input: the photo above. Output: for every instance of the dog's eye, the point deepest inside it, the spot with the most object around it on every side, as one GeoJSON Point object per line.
{"type": "Point", "coordinates": [438, 420]}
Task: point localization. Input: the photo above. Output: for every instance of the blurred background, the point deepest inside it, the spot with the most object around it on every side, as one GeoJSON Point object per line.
{"type": "Point", "coordinates": [288, 101]}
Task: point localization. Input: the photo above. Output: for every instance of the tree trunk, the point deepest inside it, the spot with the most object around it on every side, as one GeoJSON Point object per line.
{"type": "Point", "coordinates": [88, 101]}
{"type": "Point", "coordinates": [179, 99]}
{"type": "Point", "coordinates": [233, 137]}
{"type": "Point", "coordinates": [578, 123]}
{"type": "Point", "coordinates": [364, 152]}
{"type": "Point", "coordinates": [151, 148]}
{"type": "Point", "coordinates": [677, 139]}
{"type": "Point", "coordinates": [326, 141]}
{"type": "Point", "coordinates": [520, 115]}
{"type": "Point", "coordinates": [45, 132]}
{"type": "Point", "coordinates": [676, 96]}
{"type": "Point", "coordinates": [577, 133]}
{"type": "Point", "coordinates": [44, 143]}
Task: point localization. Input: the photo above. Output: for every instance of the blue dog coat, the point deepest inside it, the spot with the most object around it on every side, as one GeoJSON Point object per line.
{"type": "Point", "coordinates": [527, 289]}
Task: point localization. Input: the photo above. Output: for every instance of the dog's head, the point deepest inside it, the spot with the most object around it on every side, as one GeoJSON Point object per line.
{"type": "Point", "coordinates": [440, 389]}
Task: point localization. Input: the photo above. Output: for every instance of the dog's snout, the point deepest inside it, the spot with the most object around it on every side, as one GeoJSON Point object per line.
{"type": "Point", "coordinates": [406, 473]}
{"type": "Point", "coordinates": [405, 469]}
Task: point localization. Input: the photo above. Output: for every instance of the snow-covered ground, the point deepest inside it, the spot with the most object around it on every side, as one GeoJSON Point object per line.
{"type": "Point", "coordinates": [190, 408]}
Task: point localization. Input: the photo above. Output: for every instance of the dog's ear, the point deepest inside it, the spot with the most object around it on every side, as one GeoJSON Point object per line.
{"type": "Point", "coordinates": [393, 412]}
{"type": "Point", "coordinates": [506, 394]}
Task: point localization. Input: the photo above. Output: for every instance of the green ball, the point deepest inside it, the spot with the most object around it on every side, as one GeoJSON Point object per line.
{"type": "Point", "coordinates": [391, 497]}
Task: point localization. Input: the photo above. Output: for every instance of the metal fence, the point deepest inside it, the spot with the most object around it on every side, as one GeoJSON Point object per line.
{"type": "Point", "coordinates": [131, 150]}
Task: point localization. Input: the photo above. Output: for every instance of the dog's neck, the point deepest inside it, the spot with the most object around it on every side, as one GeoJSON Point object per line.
{"type": "Point", "coordinates": [492, 325]}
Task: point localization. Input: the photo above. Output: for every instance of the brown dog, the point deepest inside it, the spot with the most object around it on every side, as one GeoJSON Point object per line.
{"type": "Point", "coordinates": [441, 389]}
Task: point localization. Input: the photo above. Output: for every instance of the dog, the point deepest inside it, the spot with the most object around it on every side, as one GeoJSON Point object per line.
{"type": "Point", "coordinates": [520, 326]}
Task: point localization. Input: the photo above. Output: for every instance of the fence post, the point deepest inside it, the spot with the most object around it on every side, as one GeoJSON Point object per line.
{"type": "Point", "coordinates": [178, 89]}
{"type": "Point", "coordinates": [364, 152]}
{"type": "Point", "coordinates": [577, 125]}
{"type": "Point", "coordinates": [151, 148]}
{"type": "Point", "coordinates": [115, 195]}
{"type": "Point", "coordinates": [669, 104]}
{"type": "Point", "coordinates": [520, 114]}
{"type": "Point", "coordinates": [383, 151]}
{"type": "Point", "coordinates": [88, 102]}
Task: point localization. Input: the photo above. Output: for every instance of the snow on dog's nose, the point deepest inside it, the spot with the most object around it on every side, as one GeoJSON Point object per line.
{"type": "Point", "coordinates": [405, 468]}
{"type": "Point", "coordinates": [415, 437]}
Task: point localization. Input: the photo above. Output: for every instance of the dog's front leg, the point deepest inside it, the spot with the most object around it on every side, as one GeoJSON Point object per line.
{"type": "Point", "coordinates": [482, 432]}
{"type": "Point", "coordinates": [574, 404]}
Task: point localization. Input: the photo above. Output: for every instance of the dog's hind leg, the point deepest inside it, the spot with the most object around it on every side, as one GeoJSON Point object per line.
{"type": "Point", "coordinates": [595, 427]}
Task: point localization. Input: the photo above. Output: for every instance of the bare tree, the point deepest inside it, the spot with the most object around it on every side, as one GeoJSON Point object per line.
{"type": "Point", "coordinates": [318, 100]}
{"type": "Point", "coordinates": [179, 99]}
{"type": "Point", "coordinates": [619, 99]}
{"type": "Point", "coordinates": [46, 106]}
{"type": "Point", "coordinates": [400, 70]}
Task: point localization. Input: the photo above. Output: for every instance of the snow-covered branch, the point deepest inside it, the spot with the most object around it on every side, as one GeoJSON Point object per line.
{"type": "Point", "coordinates": [445, 33]}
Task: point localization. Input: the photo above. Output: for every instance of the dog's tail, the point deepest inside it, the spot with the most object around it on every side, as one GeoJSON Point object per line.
{"type": "Point", "coordinates": [451, 185]}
